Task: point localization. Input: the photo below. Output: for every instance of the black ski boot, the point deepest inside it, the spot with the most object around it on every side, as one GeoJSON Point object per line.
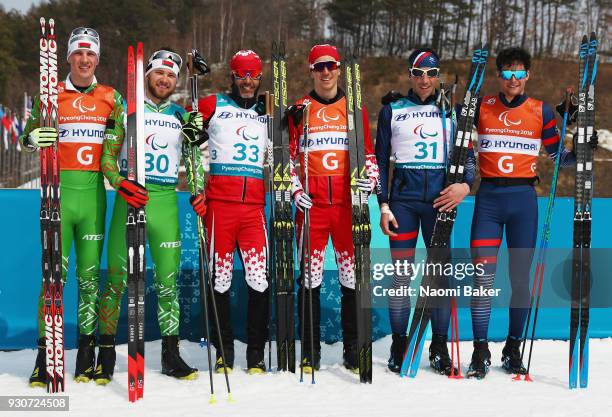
{"type": "Point", "coordinates": [511, 357]}
{"type": "Point", "coordinates": [172, 363]}
{"type": "Point", "coordinates": [255, 362]}
{"type": "Point", "coordinates": [481, 360]}
{"type": "Point", "coordinates": [439, 358]}
{"type": "Point", "coordinates": [39, 374]}
{"type": "Point", "coordinates": [350, 352]}
{"type": "Point", "coordinates": [106, 359]}
{"type": "Point", "coordinates": [309, 363]}
{"type": "Point", "coordinates": [350, 355]}
{"type": "Point", "coordinates": [86, 358]}
{"type": "Point", "coordinates": [398, 349]}
{"type": "Point", "coordinates": [257, 331]}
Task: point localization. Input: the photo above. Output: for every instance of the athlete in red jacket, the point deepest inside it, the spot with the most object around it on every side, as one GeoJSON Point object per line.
{"type": "Point", "coordinates": [329, 193]}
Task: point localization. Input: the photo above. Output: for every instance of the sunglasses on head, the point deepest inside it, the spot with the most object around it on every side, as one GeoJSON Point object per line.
{"type": "Point", "coordinates": [85, 31]}
{"type": "Point", "coordinates": [430, 72]}
{"type": "Point", "coordinates": [172, 56]}
{"type": "Point", "coordinates": [243, 74]}
{"type": "Point", "coordinates": [320, 66]}
{"type": "Point", "coordinates": [518, 74]}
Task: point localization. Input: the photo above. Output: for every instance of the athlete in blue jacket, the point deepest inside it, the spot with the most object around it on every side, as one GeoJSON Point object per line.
{"type": "Point", "coordinates": [413, 131]}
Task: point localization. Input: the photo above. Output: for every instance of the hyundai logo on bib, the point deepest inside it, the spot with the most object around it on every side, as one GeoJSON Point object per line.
{"type": "Point", "coordinates": [78, 132]}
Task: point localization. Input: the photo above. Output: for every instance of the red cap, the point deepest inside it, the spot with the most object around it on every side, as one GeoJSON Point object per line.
{"type": "Point", "coordinates": [246, 61]}
{"type": "Point", "coordinates": [318, 51]}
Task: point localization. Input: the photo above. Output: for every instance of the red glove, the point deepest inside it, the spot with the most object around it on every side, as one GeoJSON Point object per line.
{"type": "Point", "coordinates": [132, 192]}
{"type": "Point", "coordinates": [198, 202]}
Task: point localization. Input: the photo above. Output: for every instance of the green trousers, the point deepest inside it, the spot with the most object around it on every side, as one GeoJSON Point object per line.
{"type": "Point", "coordinates": [163, 235]}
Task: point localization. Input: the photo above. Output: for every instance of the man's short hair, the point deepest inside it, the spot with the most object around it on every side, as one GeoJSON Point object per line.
{"type": "Point", "coordinates": [510, 56]}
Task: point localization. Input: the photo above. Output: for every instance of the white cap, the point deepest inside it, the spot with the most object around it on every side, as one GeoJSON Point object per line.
{"type": "Point", "coordinates": [166, 60]}
{"type": "Point", "coordinates": [84, 38]}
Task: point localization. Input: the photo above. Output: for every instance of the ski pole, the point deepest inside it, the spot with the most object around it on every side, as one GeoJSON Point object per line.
{"type": "Point", "coordinates": [197, 66]}
{"type": "Point", "coordinates": [271, 232]}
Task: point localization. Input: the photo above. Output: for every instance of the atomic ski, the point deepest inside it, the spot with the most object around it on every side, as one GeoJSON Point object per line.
{"type": "Point", "coordinates": [581, 257]}
{"type": "Point", "coordinates": [282, 223]}
{"type": "Point", "coordinates": [50, 219]}
{"type": "Point", "coordinates": [361, 218]}
{"type": "Point", "coordinates": [135, 225]}
{"type": "Point", "coordinates": [443, 226]}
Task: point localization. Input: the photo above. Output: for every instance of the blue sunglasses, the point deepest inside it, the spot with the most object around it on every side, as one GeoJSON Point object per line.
{"type": "Point", "coordinates": [518, 74]}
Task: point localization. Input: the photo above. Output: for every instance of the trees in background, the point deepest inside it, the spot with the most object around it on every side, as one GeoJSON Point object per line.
{"type": "Point", "coordinates": [370, 27]}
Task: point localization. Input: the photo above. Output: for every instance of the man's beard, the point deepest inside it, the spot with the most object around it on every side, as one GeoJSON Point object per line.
{"type": "Point", "coordinates": [152, 91]}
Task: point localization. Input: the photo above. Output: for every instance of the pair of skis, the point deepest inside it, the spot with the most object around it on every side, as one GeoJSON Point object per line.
{"type": "Point", "coordinates": [536, 289]}
{"type": "Point", "coordinates": [196, 65]}
{"type": "Point", "coordinates": [439, 246]}
{"type": "Point", "coordinates": [135, 224]}
{"type": "Point", "coordinates": [282, 232]}
{"type": "Point", "coordinates": [50, 218]}
{"type": "Point", "coordinates": [581, 256]}
{"type": "Point", "coordinates": [361, 229]}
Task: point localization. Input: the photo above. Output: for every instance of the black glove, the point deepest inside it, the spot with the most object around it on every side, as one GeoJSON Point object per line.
{"type": "Point", "coordinates": [391, 97]}
{"type": "Point", "coordinates": [296, 112]}
{"type": "Point", "coordinates": [593, 141]}
{"type": "Point", "coordinates": [201, 137]}
{"type": "Point", "coordinates": [572, 112]}
{"type": "Point", "coordinates": [260, 106]}
{"type": "Point", "coordinates": [192, 127]}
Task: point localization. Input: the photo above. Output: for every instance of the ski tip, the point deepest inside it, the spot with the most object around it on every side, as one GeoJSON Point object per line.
{"type": "Point", "coordinates": [42, 21]}
{"type": "Point", "coordinates": [140, 48]}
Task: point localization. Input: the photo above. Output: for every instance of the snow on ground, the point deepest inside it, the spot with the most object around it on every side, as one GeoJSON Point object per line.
{"type": "Point", "coordinates": [337, 392]}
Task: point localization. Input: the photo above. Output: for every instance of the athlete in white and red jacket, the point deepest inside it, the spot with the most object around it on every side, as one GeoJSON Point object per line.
{"type": "Point", "coordinates": [234, 215]}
